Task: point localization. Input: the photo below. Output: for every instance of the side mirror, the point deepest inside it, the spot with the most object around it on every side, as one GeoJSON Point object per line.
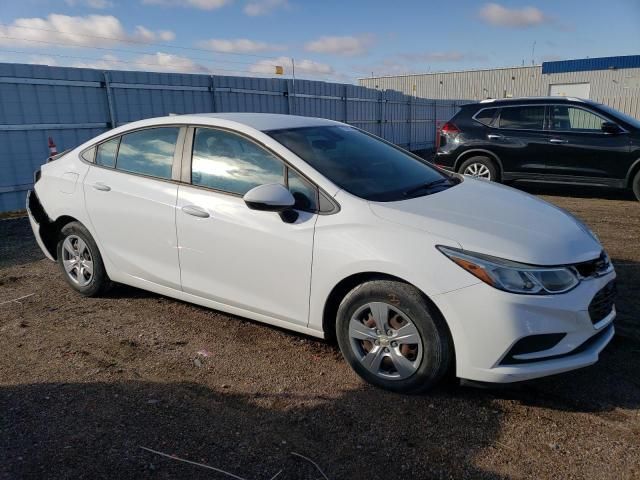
{"type": "Point", "coordinates": [272, 197]}
{"type": "Point", "coordinates": [610, 128]}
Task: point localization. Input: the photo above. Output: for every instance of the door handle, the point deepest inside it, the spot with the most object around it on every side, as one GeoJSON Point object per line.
{"type": "Point", "coordinates": [195, 211]}
{"type": "Point", "coordinates": [101, 186]}
{"type": "Point", "coordinates": [558, 140]}
{"type": "Point", "coordinates": [493, 136]}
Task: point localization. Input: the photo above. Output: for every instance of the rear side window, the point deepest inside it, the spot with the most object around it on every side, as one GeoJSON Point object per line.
{"type": "Point", "coordinates": [564, 117]}
{"type": "Point", "coordinates": [485, 116]}
{"type": "Point", "coordinates": [229, 162]}
{"type": "Point", "coordinates": [106, 153]}
{"type": "Point", "coordinates": [522, 118]}
{"type": "Point", "coordinates": [148, 152]}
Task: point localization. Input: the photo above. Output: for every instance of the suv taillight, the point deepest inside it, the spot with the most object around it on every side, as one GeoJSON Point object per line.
{"type": "Point", "coordinates": [450, 128]}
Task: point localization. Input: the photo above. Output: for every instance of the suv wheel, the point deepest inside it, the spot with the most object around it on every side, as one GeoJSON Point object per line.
{"type": "Point", "coordinates": [479, 167]}
{"type": "Point", "coordinates": [390, 335]}
{"type": "Point", "coordinates": [635, 185]}
{"type": "Point", "coordinates": [80, 261]}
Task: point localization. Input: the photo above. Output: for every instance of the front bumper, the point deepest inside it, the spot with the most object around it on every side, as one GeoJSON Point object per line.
{"type": "Point", "coordinates": [489, 322]}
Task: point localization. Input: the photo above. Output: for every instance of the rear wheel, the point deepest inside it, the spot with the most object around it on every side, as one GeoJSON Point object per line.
{"type": "Point", "coordinates": [392, 337]}
{"type": "Point", "coordinates": [635, 185]}
{"type": "Point", "coordinates": [480, 167]}
{"type": "Point", "coordinates": [80, 261]}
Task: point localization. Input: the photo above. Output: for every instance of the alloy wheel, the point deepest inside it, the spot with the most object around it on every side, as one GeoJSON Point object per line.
{"type": "Point", "coordinates": [77, 260]}
{"type": "Point", "coordinates": [478, 170]}
{"type": "Point", "coordinates": [385, 341]}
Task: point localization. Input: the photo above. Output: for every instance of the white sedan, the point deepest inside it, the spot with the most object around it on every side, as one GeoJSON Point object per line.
{"type": "Point", "coordinates": [318, 227]}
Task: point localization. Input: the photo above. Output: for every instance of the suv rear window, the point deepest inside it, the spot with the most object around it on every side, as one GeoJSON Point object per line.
{"type": "Point", "coordinates": [522, 118]}
{"type": "Point", "coordinates": [485, 116]}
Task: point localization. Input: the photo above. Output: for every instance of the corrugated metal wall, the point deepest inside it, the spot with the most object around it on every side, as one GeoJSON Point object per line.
{"type": "Point", "coordinates": [618, 88]}
{"type": "Point", "coordinates": [72, 105]}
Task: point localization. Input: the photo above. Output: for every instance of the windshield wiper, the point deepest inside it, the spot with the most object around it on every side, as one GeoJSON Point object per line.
{"type": "Point", "coordinates": [429, 185]}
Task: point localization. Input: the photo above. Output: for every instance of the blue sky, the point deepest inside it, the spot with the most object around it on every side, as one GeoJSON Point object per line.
{"type": "Point", "coordinates": [330, 40]}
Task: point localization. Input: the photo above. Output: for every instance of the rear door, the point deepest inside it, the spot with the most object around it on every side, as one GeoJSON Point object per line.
{"type": "Point", "coordinates": [243, 258]}
{"type": "Point", "coordinates": [581, 150]}
{"type": "Point", "coordinates": [130, 195]}
{"type": "Point", "coordinates": [517, 136]}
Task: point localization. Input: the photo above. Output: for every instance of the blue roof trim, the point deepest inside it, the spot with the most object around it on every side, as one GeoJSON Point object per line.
{"type": "Point", "coordinates": [588, 64]}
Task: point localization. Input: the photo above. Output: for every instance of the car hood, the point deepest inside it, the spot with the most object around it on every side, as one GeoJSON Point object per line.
{"type": "Point", "coordinates": [497, 220]}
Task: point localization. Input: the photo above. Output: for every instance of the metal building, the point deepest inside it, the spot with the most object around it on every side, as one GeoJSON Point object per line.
{"type": "Point", "coordinates": [614, 81]}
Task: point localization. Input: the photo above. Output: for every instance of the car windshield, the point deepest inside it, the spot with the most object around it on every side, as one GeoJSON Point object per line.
{"type": "Point", "coordinates": [634, 122]}
{"type": "Point", "coordinates": [363, 165]}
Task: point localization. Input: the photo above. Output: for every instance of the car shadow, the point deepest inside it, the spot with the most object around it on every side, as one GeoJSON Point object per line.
{"type": "Point", "coordinates": [95, 430]}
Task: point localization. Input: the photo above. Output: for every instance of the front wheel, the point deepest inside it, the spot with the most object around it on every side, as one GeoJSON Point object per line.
{"type": "Point", "coordinates": [80, 261]}
{"type": "Point", "coordinates": [392, 337]}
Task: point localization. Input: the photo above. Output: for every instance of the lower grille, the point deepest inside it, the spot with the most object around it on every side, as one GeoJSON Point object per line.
{"type": "Point", "coordinates": [603, 302]}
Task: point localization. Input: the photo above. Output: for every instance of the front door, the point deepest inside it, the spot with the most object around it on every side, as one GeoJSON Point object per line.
{"type": "Point", "coordinates": [230, 254]}
{"type": "Point", "coordinates": [582, 150]}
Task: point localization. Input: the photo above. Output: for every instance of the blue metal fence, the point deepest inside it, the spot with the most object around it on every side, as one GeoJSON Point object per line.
{"type": "Point", "coordinates": [74, 104]}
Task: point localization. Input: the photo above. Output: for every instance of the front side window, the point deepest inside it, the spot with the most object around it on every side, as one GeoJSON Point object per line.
{"type": "Point", "coordinates": [229, 162]}
{"type": "Point", "coordinates": [305, 193]}
{"type": "Point", "coordinates": [148, 152]}
{"type": "Point", "coordinates": [362, 164]}
{"type": "Point", "coordinates": [564, 117]}
{"type": "Point", "coordinates": [106, 153]}
{"type": "Point", "coordinates": [522, 118]}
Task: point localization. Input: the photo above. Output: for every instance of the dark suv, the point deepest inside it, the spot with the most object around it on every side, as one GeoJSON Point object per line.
{"type": "Point", "coordinates": [550, 139]}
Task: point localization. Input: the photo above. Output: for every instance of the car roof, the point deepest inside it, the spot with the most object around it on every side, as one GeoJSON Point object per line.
{"type": "Point", "coordinates": [529, 100]}
{"type": "Point", "coordinates": [261, 121]}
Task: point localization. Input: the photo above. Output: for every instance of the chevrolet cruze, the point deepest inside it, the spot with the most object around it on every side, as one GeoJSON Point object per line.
{"type": "Point", "coordinates": [321, 228]}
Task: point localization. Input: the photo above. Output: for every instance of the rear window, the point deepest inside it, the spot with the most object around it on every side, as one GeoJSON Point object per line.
{"type": "Point", "coordinates": [485, 116]}
{"type": "Point", "coordinates": [522, 118]}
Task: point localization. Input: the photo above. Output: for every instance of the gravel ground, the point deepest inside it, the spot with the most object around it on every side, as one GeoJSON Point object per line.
{"type": "Point", "coordinates": [84, 383]}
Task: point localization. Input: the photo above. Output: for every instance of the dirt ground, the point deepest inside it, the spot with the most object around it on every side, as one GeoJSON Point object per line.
{"type": "Point", "coordinates": [85, 383]}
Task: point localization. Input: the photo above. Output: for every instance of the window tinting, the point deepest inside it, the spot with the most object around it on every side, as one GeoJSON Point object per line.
{"type": "Point", "coordinates": [106, 154]}
{"type": "Point", "coordinates": [485, 116]}
{"type": "Point", "coordinates": [229, 162]}
{"type": "Point", "coordinates": [361, 164]}
{"type": "Point", "coordinates": [305, 193]}
{"type": "Point", "coordinates": [523, 118]}
{"type": "Point", "coordinates": [149, 151]}
{"type": "Point", "coordinates": [570, 118]}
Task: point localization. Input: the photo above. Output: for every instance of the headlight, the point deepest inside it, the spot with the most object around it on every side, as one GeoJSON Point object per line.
{"type": "Point", "coordinates": [512, 276]}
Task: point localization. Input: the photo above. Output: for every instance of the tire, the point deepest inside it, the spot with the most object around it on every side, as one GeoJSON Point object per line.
{"type": "Point", "coordinates": [635, 185]}
{"type": "Point", "coordinates": [396, 365]}
{"type": "Point", "coordinates": [77, 252]}
{"type": "Point", "coordinates": [483, 167]}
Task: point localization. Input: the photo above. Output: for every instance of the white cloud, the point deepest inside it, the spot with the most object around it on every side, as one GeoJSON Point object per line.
{"type": "Point", "coordinates": [97, 4]}
{"type": "Point", "coordinates": [496, 14]}
{"type": "Point", "coordinates": [156, 62]}
{"type": "Point", "coordinates": [347, 45]}
{"type": "Point", "coordinates": [199, 4]}
{"type": "Point", "coordinates": [43, 60]}
{"type": "Point", "coordinates": [167, 62]}
{"type": "Point", "coordinates": [145, 35]}
{"type": "Point", "coordinates": [263, 7]}
{"type": "Point", "coordinates": [239, 45]}
{"type": "Point", "coordinates": [267, 66]}
{"type": "Point", "coordinates": [75, 31]}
